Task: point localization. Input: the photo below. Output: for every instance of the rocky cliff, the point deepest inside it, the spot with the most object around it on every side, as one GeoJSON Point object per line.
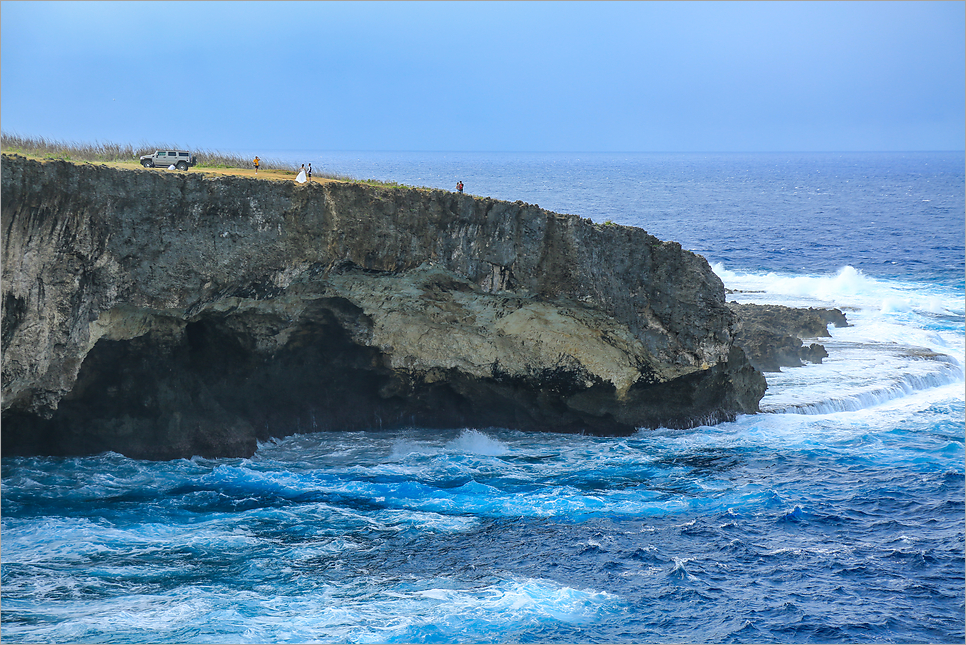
{"type": "Point", "coordinates": [771, 335]}
{"type": "Point", "coordinates": [164, 315]}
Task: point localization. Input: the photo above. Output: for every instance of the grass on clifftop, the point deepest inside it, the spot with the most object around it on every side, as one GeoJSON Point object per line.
{"type": "Point", "coordinates": [113, 152]}
{"type": "Point", "coordinates": [210, 160]}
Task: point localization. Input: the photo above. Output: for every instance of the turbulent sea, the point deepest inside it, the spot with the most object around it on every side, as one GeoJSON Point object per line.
{"type": "Point", "coordinates": [836, 515]}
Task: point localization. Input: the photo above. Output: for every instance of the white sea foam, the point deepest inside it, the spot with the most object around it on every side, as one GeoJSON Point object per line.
{"type": "Point", "coordinates": [477, 443]}
{"type": "Point", "coordinates": [514, 599]}
{"type": "Point", "coordinates": [370, 609]}
{"type": "Point", "coordinates": [680, 570]}
{"type": "Point", "coordinates": [469, 442]}
{"type": "Point", "coordinates": [849, 288]}
{"type": "Point", "coordinates": [905, 338]}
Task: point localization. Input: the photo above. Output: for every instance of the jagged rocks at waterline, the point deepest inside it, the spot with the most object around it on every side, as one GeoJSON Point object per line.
{"type": "Point", "coordinates": [771, 335]}
{"type": "Point", "coordinates": [165, 315]}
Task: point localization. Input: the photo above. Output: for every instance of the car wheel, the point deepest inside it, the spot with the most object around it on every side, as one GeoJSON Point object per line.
{"type": "Point", "coordinates": [147, 163]}
{"type": "Point", "coordinates": [182, 165]}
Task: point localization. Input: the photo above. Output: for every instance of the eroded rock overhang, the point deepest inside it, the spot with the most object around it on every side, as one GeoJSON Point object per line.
{"type": "Point", "coordinates": [164, 315]}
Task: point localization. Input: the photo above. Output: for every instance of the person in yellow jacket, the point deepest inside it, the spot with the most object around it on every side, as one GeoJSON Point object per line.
{"type": "Point", "coordinates": [256, 161]}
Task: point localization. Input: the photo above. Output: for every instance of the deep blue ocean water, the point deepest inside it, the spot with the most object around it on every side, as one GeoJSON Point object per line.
{"type": "Point", "coordinates": [837, 515]}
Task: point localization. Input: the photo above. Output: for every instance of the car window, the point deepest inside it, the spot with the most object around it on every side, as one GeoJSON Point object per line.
{"type": "Point", "coordinates": [161, 154]}
{"type": "Point", "coordinates": [172, 154]}
{"type": "Point", "coordinates": [182, 154]}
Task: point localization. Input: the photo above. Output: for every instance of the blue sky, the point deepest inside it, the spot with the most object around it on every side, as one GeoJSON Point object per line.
{"type": "Point", "coordinates": [488, 76]}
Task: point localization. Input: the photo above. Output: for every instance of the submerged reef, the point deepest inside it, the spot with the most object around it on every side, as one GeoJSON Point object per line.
{"type": "Point", "coordinates": [164, 315]}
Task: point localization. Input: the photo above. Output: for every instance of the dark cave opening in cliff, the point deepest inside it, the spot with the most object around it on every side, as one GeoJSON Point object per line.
{"type": "Point", "coordinates": [212, 389]}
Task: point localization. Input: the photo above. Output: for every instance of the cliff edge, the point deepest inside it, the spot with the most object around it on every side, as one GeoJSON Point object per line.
{"type": "Point", "coordinates": [165, 315]}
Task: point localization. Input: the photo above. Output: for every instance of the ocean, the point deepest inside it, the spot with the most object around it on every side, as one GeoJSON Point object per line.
{"type": "Point", "coordinates": [836, 515]}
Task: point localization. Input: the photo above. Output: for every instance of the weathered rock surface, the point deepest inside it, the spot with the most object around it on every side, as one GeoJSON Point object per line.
{"type": "Point", "coordinates": [771, 335]}
{"type": "Point", "coordinates": [164, 315]}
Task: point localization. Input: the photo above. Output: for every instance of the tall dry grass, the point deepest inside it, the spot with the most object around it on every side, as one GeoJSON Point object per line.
{"type": "Point", "coordinates": [110, 152]}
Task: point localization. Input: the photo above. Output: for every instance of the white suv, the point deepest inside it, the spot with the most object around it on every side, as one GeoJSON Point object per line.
{"type": "Point", "coordinates": [180, 159]}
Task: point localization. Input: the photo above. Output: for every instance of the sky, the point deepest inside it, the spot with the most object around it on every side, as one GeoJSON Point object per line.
{"type": "Point", "coordinates": [488, 76]}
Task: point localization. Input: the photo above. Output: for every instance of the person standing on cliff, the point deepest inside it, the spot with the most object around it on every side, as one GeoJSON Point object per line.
{"type": "Point", "coordinates": [459, 187]}
{"type": "Point", "coordinates": [309, 173]}
{"type": "Point", "coordinates": [256, 161]}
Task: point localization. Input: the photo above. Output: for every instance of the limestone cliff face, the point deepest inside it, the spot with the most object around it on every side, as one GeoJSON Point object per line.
{"type": "Point", "coordinates": [164, 315]}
